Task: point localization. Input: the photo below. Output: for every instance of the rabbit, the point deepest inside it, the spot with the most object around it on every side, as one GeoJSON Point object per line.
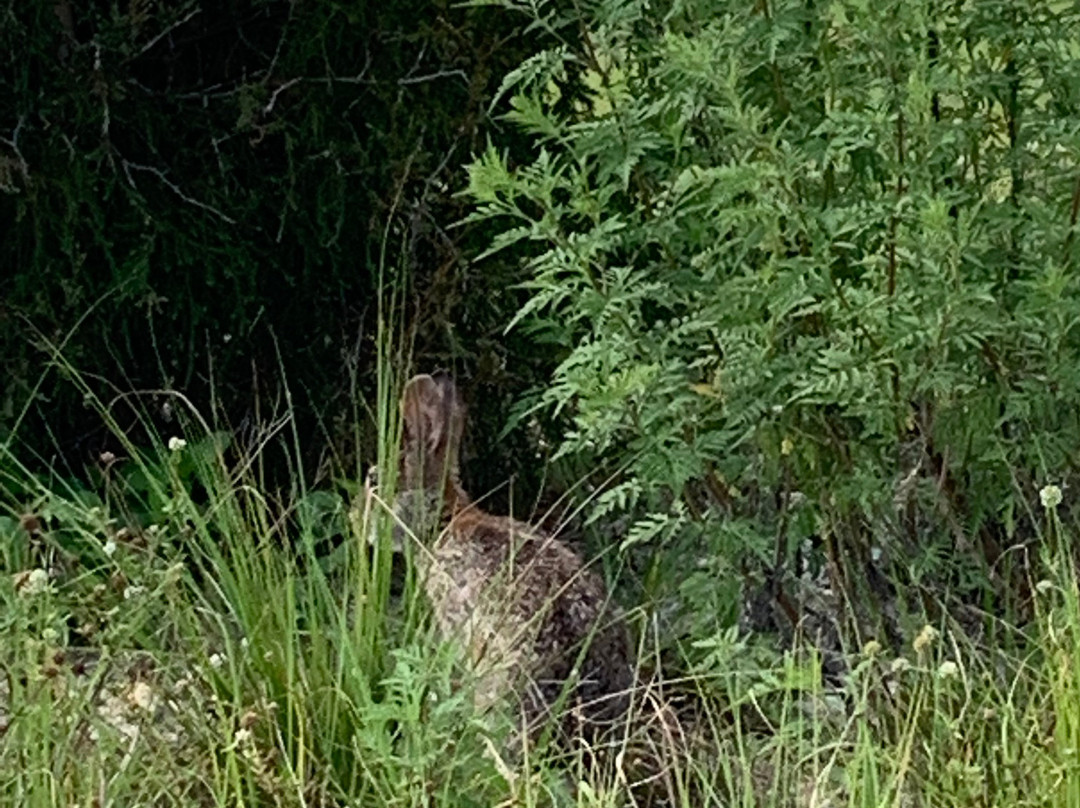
{"type": "Point", "coordinates": [536, 622]}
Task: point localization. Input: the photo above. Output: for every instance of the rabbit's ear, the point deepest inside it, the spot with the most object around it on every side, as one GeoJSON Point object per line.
{"type": "Point", "coordinates": [433, 414]}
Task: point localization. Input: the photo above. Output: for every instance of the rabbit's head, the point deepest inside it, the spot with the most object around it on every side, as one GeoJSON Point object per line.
{"type": "Point", "coordinates": [428, 490]}
{"type": "Point", "coordinates": [432, 418]}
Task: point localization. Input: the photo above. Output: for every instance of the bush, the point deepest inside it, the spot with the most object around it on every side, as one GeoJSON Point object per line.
{"type": "Point", "coordinates": [812, 270]}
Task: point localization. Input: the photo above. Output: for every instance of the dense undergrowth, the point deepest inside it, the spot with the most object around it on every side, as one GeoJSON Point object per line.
{"type": "Point", "coordinates": [805, 277]}
{"type": "Point", "coordinates": [176, 634]}
{"type": "Point", "coordinates": [192, 195]}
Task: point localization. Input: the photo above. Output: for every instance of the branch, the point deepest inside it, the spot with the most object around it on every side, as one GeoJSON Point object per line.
{"type": "Point", "coordinates": [274, 96]}
{"type": "Point", "coordinates": [172, 186]}
{"type": "Point", "coordinates": [359, 78]}
{"type": "Point", "coordinates": [184, 20]}
{"type": "Point", "coordinates": [432, 77]}
{"type": "Point", "coordinates": [13, 144]}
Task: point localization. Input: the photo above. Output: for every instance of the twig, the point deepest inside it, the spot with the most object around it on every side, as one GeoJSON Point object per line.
{"type": "Point", "coordinates": [213, 91]}
{"type": "Point", "coordinates": [101, 90]}
{"type": "Point", "coordinates": [172, 186]}
{"type": "Point", "coordinates": [359, 78]}
{"type": "Point", "coordinates": [274, 96]}
{"type": "Point", "coordinates": [281, 41]}
{"type": "Point", "coordinates": [433, 77]}
{"type": "Point", "coordinates": [13, 144]}
{"type": "Point", "coordinates": [194, 12]}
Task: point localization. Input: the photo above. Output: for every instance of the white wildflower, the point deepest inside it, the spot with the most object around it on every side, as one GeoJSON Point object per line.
{"type": "Point", "coordinates": [948, 669]}
{"type": "Point", "coordinates": [242, 736]}
{"type": "Point", "coordinates": [31, 582]}
{"type": "Point", "coordinates": [216, 660]}
{"type": "Point", "coordinates": [899, 665]}
{"type": "Point", "coordinates": [141, 695]}
{"type": "Point", "coordinates": [1050, 496]}
{"type": "Point", "coordinates": [110, 548]}
{"type": "Point", "coordinates": [925, 639]}
{"type": "Point", "coordinates": [133, 591]}
{"type": "Point", "coordinates": [176, 444]}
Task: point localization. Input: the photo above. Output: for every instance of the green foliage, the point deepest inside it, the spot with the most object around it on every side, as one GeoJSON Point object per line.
{"type": "Point", "coordinates": [169, 636]}
{"type": "Point", "coordinates": [811, 266]}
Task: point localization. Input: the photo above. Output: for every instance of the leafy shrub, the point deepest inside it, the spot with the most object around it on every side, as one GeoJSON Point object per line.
{"type": "Point", "coordinates": [812, 270]}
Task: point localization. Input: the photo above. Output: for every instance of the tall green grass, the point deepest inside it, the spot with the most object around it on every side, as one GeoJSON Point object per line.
{"type": "Point", "coordinates": [178, 634]}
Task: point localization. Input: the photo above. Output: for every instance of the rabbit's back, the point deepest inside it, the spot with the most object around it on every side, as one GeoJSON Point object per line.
{"type": "Point", "coordinates": [532, 616]}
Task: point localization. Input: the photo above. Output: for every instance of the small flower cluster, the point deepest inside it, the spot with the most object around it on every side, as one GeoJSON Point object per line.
{"type": "Point", "coordinates": [1050, 497]}
{"type": "Point", "coordinates": [31, 582]}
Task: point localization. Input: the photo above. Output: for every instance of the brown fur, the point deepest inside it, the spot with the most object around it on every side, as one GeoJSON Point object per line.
{"type": "Point", "coordinates": [536, 621]}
